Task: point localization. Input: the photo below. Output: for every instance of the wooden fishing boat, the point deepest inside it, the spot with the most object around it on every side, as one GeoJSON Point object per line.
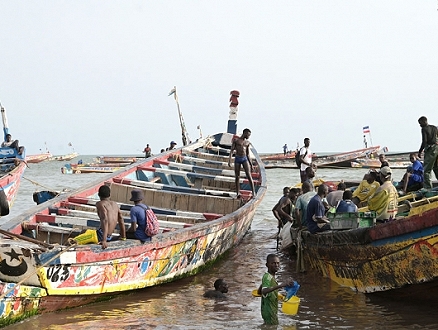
{"type": "Point", "coordinates": [12, 166]}
{"type": "Point", "coordinates": [116, 159]}
{"type": "Point", "coordinates": [38, 158]}
{"type": "Point", "coordinates": [279, 157]}
{"type": "Point", "coordinates": [375, 163]}
{"type": "Point", "coordinates": [190, 189]}
{"type": "Point", "coordinates": [396, 259]}
{"type": "Point", "coordinates": [66, 157]}
{"type": "Point", "coordinates": [343, 159]}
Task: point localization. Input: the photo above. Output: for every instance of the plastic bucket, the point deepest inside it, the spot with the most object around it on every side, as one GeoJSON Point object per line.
{"type": "Point", "coordinates": [291, 306]}
{"type": "Point", "coordinates": [89, 237]}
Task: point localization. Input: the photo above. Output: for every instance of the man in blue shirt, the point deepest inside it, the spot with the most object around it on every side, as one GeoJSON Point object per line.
{"type": "Point", "coordinates": [316, 219]}
{"type": "Point", "coordinates": [138, 217]}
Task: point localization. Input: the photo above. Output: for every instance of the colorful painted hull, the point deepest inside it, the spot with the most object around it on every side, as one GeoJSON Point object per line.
{"type": "Point", "coordinates": [10, 182]}
{"type": "Point", "coordinates": [393, 257]}
{"type": "Point", "coordinates": [193, 195]}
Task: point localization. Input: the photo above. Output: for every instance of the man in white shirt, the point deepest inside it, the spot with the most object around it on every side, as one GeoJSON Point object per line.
{"type": "Point", "coordinates": [305, 159]}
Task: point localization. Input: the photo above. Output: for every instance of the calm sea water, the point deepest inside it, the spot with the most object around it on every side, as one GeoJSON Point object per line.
{"type": "Point", "coordinates": [180, 305]}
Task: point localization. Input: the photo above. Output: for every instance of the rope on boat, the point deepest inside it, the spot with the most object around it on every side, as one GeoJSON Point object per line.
{"type": "Point", "coordinates": [39, 184]}
{"type": "Point", "coordinates": [35, 271]}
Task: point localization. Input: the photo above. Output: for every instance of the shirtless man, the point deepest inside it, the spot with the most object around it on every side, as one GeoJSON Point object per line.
{"type": "Point", "coordinates": [241, 145]}
{"type": "Point", "coordinates": [109, 215]}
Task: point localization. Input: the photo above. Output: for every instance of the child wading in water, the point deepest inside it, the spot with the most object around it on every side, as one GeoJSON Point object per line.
{"type": "Point", "coordinates": [269, 290]}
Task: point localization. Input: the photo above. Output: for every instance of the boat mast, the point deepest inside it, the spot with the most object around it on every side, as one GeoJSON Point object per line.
{"type": "Point", "coordinates": [185, 134]}
{"type": "Point", "coordinates": [232, 118]}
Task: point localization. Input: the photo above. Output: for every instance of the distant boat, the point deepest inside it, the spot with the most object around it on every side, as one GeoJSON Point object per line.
{"type": "Point", "coordinates": [375, 163]}
{"type": "Point", "coordinates": [65, 157]}
{"type": "Point", "coordinates": [343, 159]}
{"type": "Point", "coordinates": [38, 158]}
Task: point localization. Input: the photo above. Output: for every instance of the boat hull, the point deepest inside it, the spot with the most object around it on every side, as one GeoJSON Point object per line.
{"type": "Point", "coordinates": [385, 257]}
{"type": "Point", "coordinates": [201, 220]}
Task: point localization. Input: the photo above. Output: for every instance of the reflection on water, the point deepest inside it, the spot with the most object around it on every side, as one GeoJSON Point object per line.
{"type": "Point", "coordinates": [180, 305]}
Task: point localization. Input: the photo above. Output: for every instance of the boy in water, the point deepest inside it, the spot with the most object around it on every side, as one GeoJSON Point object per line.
{"type": "Point", "coordinates": [269, 290]}
{"type": "Point", "coordinates": [220, 288]}
{"type": "Point", "coordinates": [241, 145]}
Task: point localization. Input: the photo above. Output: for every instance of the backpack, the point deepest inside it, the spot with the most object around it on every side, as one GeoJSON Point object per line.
{"type": "Point", "coordinates": [297, 157]}
{"type": "Point", "coordinates": [152, 226]}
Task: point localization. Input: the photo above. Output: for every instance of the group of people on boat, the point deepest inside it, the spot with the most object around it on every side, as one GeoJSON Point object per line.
{"type": "Point", "coordinates": [307, 207]}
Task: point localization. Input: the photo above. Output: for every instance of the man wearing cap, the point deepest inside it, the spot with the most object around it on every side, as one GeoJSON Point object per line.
{"type": "Point", "coordinates": [138, 217]}
{"type": "Point", "coordinates": [172, 145]}
{"type": "Point", "coordinates": [385, 200]}
{"type": "Point", "coordinates": [429, 145]}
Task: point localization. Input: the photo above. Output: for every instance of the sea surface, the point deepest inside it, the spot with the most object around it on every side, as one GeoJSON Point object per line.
{"type": "Point", "coordinates": [180, 305]}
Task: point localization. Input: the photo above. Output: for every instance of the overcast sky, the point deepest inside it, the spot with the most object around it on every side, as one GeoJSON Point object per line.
{"type": "Point", "coordinates": [98, 73]}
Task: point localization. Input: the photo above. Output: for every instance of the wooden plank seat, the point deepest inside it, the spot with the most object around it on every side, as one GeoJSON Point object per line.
{"type": "Point", "coordinates": [190, 217]}
{"type": "Point", "coordinates": [183, 202]}
{"type": "Point", "coordinates": [186, 190]}
{"type": "Point", "coordinates": [195, 168]}
{"type": "Point", "coordinates": [192, 176]}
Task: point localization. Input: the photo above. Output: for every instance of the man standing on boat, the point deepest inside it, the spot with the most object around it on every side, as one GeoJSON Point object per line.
{"type": "Point", "coordinates": [241, 145]}
{"type": "Point", "coordinates": [430, 147]}
{"type": "Point", "coordinates": [305, 159]}
{"type": "Point", "coordinates": [147, 151]}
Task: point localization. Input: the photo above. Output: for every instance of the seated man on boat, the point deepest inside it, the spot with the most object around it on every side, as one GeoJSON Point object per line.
{"type": "Point", "coordinates": [109, 215]}
{"type": "Point", "coordinates": [335, 196]}
{"type": "Point", "coordinates": [285, 208]}
{"type": "Point", "coordinates": [316, 218]}
{"type": "Point", "coordinates": [8, 142]}
{"type": "Point", "coordinates": [414, 176]}
{"type": "Point", "coordinates": [138, 218]}
{"type": "Point", "coordinates": [385, 199]}
{"type": "Point", "coordinates": [366, 188]}
{"type": "Point", "coordinates": [346, 205]}
{"type": "Point", "coordinates": [301, 204]}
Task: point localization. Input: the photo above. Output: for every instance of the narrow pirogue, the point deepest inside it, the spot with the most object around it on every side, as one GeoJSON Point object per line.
{"type": "Point", "coordinates": [190, 189]}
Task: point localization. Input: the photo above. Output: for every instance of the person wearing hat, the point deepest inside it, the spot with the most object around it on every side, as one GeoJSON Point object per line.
{"type": "Point", "coordinates": [172, 145]}
{"type": "Point", "coordinates": [385, 199]}
{"type": "Point", "coordinates": [138, 217]}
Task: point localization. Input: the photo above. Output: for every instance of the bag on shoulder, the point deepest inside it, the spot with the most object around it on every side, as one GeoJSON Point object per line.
{"type": "Point", "coordinates": [298, 158]}
{"type": "Point", "coordinates": [152, 226]}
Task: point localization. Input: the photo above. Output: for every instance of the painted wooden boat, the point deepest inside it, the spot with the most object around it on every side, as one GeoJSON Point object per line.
{"type": "Point", "coordinates": [396, 259]}
{"type": "Point", "coordinates": [279, 156]}
{"type": "Point", "coordinates": [38, 158]}
{"type": "Point", "coordinates": [375, 163]}
{"type": "Point", "coordinates": [343, 159]}
{"type": "Point", "coordinates": [116, 159]}
{"type": "Point", "coordinates": [192, 191]}
{"type": "Point", "coordinates": [66, 157]}
{"type": "Point", "coordinates": [12, 166]}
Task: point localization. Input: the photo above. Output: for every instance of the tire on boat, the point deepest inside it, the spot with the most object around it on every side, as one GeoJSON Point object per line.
{"type": "Point", "coordinates": [4, 205]}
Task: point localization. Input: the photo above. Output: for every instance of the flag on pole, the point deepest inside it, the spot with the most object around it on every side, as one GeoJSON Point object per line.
{"type": "Point", "coordinates": [366, 129]}
{"type": "Point", "coordinates": [172, 91]}
{"type": "Point", "coordinates": [69, 144]}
